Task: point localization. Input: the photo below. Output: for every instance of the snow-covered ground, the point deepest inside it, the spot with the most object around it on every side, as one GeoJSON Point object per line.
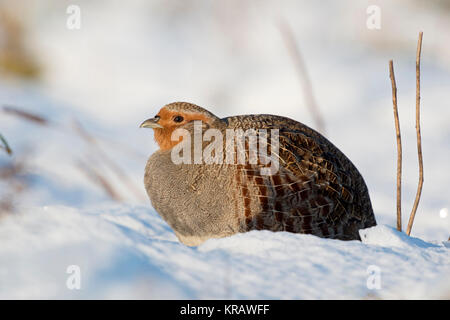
{"type": "Point", "coordinates": [128, 60]}
{"type": "Point", "coordinates": [129, 252]}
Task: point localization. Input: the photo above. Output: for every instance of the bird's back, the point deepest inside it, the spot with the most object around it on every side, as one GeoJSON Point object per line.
{"type": "Point", "coordinates": [317, 189]}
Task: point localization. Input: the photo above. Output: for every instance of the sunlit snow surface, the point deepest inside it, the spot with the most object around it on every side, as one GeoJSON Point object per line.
{"type": "Point", "coordinates": [130, 58]}
{"type": "Point", "coordinates": [129, 252]}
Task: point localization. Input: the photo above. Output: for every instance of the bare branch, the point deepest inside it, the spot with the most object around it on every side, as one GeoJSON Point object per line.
{"type": "Point", "coordinates": [419, 138]}
{"type": "Point", "coordinates": [399, 146]}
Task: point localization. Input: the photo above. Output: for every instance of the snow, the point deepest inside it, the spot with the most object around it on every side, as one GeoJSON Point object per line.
{"type": "Point", "coordinates": [117, 71]}
{"type": "Point", "coordinates": [129, 252]}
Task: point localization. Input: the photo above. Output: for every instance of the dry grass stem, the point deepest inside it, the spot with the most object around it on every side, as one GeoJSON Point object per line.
{"type": "Point", "coordinates": [5, 145]}
{"type": "Point", "coordinates": [419, 138]}
{"type": "Point", "coordinates": [93, 143]}
{"type": "Point", "coordinates": [14, 180]}
{"type": "Point", "coordinates": [399, 146]}
{"type": "Point", "coordinates": [99, 180]}
{"type": "Point", "coordinates": [26, 115]}
{"type": "Point", "coordinates": [302, 73]}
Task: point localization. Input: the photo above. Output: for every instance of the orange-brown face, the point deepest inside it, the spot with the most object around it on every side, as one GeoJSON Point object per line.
{"type": "Point", "coordinates": [166, 121]}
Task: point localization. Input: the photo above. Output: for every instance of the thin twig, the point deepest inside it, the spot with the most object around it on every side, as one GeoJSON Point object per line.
{"type": "Point", "coordinates": [419, 138]}
{"type": "Point", "coordinates": [399, 146]}
{"type": "Point", "coordinates": [302, 73]}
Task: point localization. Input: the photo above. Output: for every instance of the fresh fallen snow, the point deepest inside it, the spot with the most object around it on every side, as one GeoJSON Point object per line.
{"type": "Point", "coordinates": [129, 252]}
{"type": "Point", "coordinates": [111, 86]}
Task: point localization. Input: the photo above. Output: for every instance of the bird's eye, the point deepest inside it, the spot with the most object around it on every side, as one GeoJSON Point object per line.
{"type": "Point", "coordinates": [178, 119]}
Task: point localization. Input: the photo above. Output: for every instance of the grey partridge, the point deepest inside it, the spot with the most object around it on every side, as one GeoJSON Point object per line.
{"type": "Point", "coordinates": [316, 190]}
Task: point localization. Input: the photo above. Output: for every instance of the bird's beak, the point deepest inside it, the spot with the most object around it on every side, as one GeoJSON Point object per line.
{"type": "Point", "coordinates": [151, 123]}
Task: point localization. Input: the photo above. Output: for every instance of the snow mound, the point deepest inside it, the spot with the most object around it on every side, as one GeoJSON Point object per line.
{"type": "Point", "coordinates": [383, 235]}
{"type": "Point", "coordinates": [126, 251]}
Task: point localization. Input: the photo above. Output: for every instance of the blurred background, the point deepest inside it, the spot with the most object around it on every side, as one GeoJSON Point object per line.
{"type": "Point", "coordinates": [73, 92]}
